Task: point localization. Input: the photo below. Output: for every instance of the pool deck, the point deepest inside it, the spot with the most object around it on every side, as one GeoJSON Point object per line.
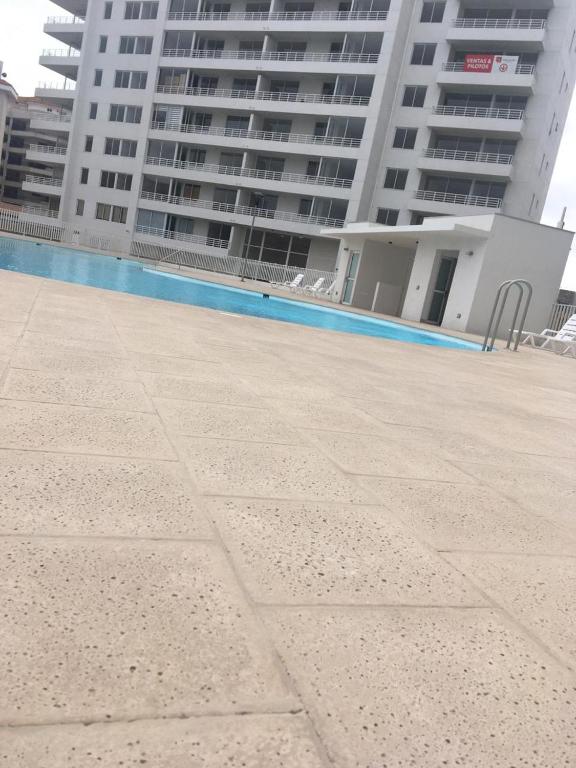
{"type": "Point", "coordinates": [230, 542]}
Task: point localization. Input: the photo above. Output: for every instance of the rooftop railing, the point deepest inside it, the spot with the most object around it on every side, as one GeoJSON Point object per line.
{"type": "Point", "coordinates": [484, 112]}
{"type": "Point", "coordinates": [457, 199]}
{"type": "Point", "coordinates": [241, 133]}
{"type": "Point", "coordinates": [499, 23]}
{"type": "Point", "coordinates": [469, 157]}
{"type": "Point", "coordinates": [244, 210]}
{"type": "Point", "coordinates": [339, 58]}
{"type": "Point", "coordinates": [58, 86]}
{"type": "Point", "coordinates": [459, 66]}
{"type": "Point", "coordinates": [278, 16]}
{"type": "Point", "coordinates": [233, 93]}
{"type": "Point", "coordinates": [252, 173]}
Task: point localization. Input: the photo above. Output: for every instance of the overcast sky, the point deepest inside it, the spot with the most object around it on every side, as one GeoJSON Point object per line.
{"type": "Point", "coordinates": [22, 39]}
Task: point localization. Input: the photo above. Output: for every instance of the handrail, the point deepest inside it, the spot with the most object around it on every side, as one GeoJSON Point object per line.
{"type": "Point", "coordinates": [459, 199]}
{"type": "Point", "coordinates": [65, 20]}
{"type": "Point", "coordinates": [189, 238]}
{"type": "Point", "coordinates": [458, 66]}
{"type": "Point", "coordinates": [470, 157]}
{"type": "Point", "coordinates": [232, 93]}
{"type": "Point", "coordinates": [254, 173]}
{"type": "Point", "coordinates": [49, 149]}
{"type": "Point", "coordinates": [464, 23]}
{"type": "Point", "coordinates": [348, 58]}
{"type": "Point", "coordinates": [37, 211]}
{"type": "Point", "coordinates": [47, 180]}
{"type": "Point", "coordinates": [243, 210]}
{"type": "Point", "coordinates": [61, 52]}
{"type": "Point", "coordinates": [499, 304]}
{"type": "Point", "coordinates": [51, 117]}
{"type": "Point", "coordinates": [68, 86]}
{"type": "Point", "coordinates": [278, 16]}
{"type": "Point", "coordinates": [245, 133]}
{"type": "Point", "coordinates": [490, 112]}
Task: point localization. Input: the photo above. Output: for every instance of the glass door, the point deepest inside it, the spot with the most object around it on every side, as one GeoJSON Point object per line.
{"type": "Point", "coordinates": [350, 279]}
{"type": "Point", "coordinates": [442, 289]}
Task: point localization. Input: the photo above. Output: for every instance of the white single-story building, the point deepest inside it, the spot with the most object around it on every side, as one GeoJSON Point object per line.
{"type": "Point", "coordinates": [447, 270]}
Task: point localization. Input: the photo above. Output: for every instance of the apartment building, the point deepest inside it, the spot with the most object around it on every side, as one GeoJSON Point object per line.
{"type": "Point", "coordinates": [248, 126]}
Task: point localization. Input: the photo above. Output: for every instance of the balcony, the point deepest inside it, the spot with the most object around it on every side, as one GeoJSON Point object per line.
{"type": "Point", "coordinates": [166, 234]}
{"type": "Point", "coordinates": [44, 185]}
{"type": "Point", "coordinates": [242, 214]}
{"type": "Point", "coordinates": [453, 73]}
{"type": "Point", "coordinates": [229, 138]}
{"type": "Point", "coordinates": [485, 163]}
{"type": "Point", "coordinates": [446, 202]}
{"type": "Point", "coordinates": [61, 93]}
{"type": "Point", "coordinates": [44, 152]}
{"type": "Point", "coordinates": [509, 121]}
{"type": "Point", "coordinates": [50, 121]}
{"type": "Point", "coordinates": [269, 179]}
{"type": "Point", "coordinates": [529, 34]}
{"type": "Point", "coordinates": [276, 60]}
{"type": "Point", "coordinates": [297, 21]}
{"type": "Point", "coordinates": [63, 62]}
{"type": "Point", "coordinates": [68, 30]}
{"type": "Point", "coordinates": [36, 210]}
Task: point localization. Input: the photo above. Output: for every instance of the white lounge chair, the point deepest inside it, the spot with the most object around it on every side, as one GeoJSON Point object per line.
{"type": "Point", "coordinates": [290, 284]}
{"type": "Point", "coordinates": [327, 291]}
{"type": "Point", "coordinates": [313, 289]}
{"type": "Point", "coordinates": [555, 341]}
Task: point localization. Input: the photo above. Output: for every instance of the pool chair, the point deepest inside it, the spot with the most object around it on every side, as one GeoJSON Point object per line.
{"type": "Point", "coordinates": [562, 341]}
{"type": "Point", "coordinates": [292, 285]}
{"type": "Point", "coordinates": [313, 289]}
{"type": "Point", "coordinates": [327, 291]}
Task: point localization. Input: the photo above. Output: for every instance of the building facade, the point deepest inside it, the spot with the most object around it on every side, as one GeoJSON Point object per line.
{"type": "Point", "coordinates": [249, 126]}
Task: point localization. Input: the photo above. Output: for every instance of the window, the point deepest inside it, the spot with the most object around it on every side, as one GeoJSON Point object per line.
{"type": "Point", "coordinates": [93, 111]}
{"type": "Point", "coordinates": [396, 178]}
{"type": "Point", "coordinates": [277, 248]}
{"type": "Point", "coordinates": [103, 43]}
{"type": "Point", "coordinates": [387, 216]}
{"type": "Point", "coordinates": [219, 231]}
{"type": "Point", "coordinates": [122, 113]}
{"type": "Point", "coordinates": [423, 53]}
{"type": "Point", "coordinates": [88, 142]}
{"type": "Point", "coordinates": [97, 77]}
{"type": "Point", "coordinates": [114, 180]}
{"type": "Point", "coordinates": [121, 147]}
{"type": "Point", "coordinates": [84, 175]}
{"type": "Point", "coordinates": [115, 213]}
{"type": "Point", "coordinates": [135, 45]}
{"type": "Point", "coordinates": [552, 124]}
{"type": "Point", "coordinates": [79, 207]}
{"type": "Point", "coordinates": [405, 138]}
{"type": "Point", "coordinates": [124, 78]}
{"type": "Point", "coordinates": [433, 13]}
{"type": "Point", "coordinates": [108, 10]}
{"type": "Point", "coordinates": [141, 10]}
{"type": "Point", "coordinates": [414, 96]}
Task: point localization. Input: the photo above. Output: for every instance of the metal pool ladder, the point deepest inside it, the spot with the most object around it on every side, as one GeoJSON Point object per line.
{"type": "Point", "coordinates": [525, 291]}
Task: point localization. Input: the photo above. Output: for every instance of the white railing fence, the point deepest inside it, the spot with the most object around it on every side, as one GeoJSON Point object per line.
{"type": "Point", "coordinates": [560, 314]}
{"type": "Point", "coordinates": [159, 255]}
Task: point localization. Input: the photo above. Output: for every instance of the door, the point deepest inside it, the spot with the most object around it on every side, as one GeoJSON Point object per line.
{"type": "Point", "coordinates": [441, 290]}
{"type": "Point", "coordinates": [350, 279]}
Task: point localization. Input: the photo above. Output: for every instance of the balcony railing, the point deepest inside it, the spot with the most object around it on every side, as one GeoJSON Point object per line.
{"type": "Point", "coordinates": [458, 66]}
{"type": "Point", "coordinates": [58, 86]}
{"type": "Point", "coordinates": [252, 173]}
{"type": "Point", "coordinates": [279, 16]}
{"type": "Point", "coordinates": [231, 93]}
{"type": "Point", "coordinates": [500, 23]}
{"type": "Point", "coordinates": [184, 236]}
{"type": "Point", "coordinates": [241, 133]}
{"type": "Point", "coordinates": [340, 58]}
{"type": "Point", "coordinates": [65, 20]}
{"type": "Point", "coordinates": [35, 210]}
{"type": "Point", "coordinates": [244, 210]}
{"type": "Point", "coordinates": [469, 157]}
{"type": "Point", "coordinates": [44, 148]}
{"type": "Point", "coordinates": [48, 181]}
{"type": "Point", "coordinates": [61, 53]}
{"type": "Point", "coordinates": [456, 199]}
{"type": "Point", "coordinates": [488, 112]}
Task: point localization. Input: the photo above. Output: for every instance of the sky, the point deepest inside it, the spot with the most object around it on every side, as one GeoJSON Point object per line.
{"type": "Point", "coordinates": [22, 39]}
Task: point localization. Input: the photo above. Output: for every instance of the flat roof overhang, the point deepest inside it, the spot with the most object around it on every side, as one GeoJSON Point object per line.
{"type": "Point", "coordinates": [409, 236]}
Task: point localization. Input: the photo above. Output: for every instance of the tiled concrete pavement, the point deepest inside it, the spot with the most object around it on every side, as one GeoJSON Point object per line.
{"type": "Point", "coordinates": [227, 542]}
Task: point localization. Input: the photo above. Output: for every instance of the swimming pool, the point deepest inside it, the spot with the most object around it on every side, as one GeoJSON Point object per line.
{"type": "Point", "coordinates": [74, 266]}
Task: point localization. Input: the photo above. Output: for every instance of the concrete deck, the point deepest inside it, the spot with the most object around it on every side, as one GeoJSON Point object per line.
{"type": "Point", "coordinates": [232, 542]}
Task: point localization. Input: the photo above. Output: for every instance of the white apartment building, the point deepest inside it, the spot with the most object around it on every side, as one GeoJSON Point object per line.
{"type": "Point", "coordinates": [248, 126]}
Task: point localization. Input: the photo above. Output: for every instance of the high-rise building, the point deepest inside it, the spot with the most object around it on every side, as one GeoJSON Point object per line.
{"type": "Point", "coordinates": [253, 124]}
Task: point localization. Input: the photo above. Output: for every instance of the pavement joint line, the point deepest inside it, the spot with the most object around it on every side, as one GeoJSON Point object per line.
{"type": "Point", "coordinates": [359, 606]}
{"type": "Point", "coordinates": [75, 405]}
{"type": "Point", "coordinates": [75, 452]}
{"type": "Point", "coordinates": [507, 553]}
{"type": "Point", "coordinates": [87, 537]}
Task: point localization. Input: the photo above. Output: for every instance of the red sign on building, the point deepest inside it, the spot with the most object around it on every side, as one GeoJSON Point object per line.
{"type": "Point", "coordinates": [479, 62]}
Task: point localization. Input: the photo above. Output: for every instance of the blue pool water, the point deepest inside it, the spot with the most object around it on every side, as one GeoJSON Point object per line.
{"type": "Point", "coordinates": [74, 266]}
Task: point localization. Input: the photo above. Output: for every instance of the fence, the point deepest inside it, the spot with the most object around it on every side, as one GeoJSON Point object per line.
{"type": "Point", "coordinates": [560, 314]}
{"type": "Point", "coordinates": [228, 265]}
